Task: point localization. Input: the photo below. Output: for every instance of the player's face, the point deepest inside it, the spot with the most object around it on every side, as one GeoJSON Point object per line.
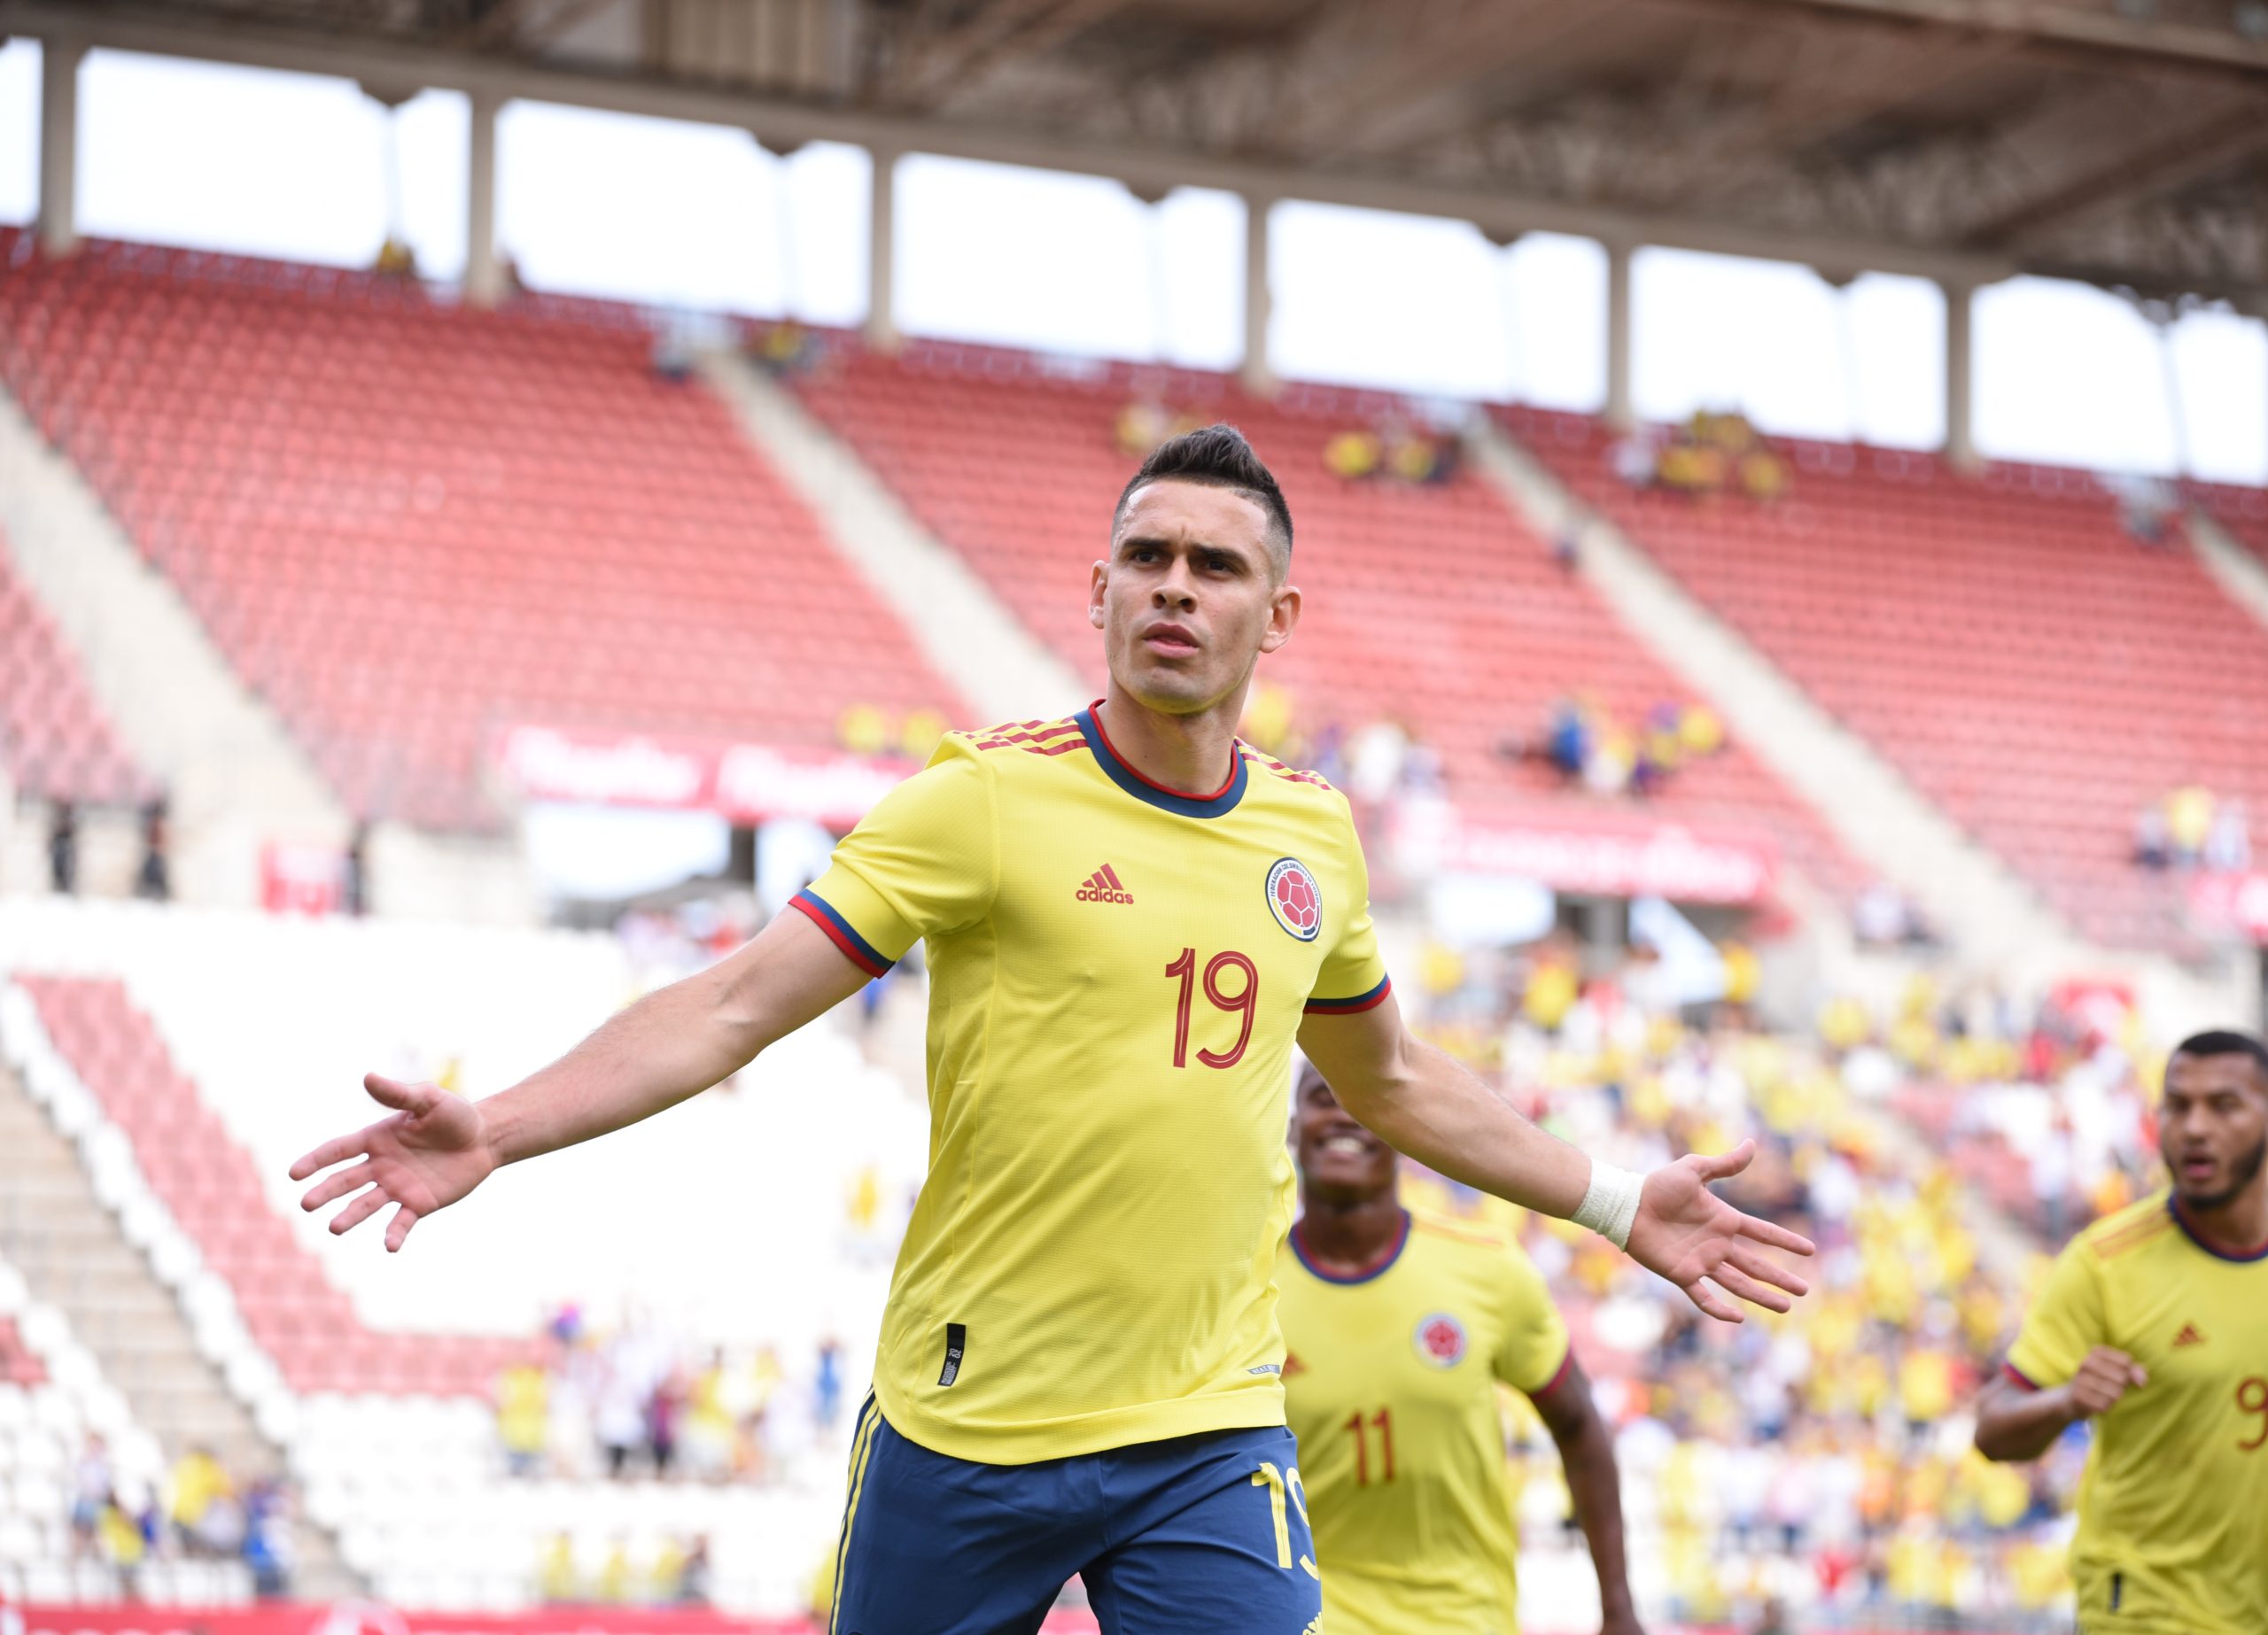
{"type": "Point", "coordinates": [1339, 1161]}
{"type": "Point", "coordinates": [2213, 1127]}
{"type": "Point", "coordinates": [1188, 600]}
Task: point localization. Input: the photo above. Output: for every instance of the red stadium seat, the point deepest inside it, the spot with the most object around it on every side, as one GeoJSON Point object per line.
{"type": "Point", "coordinates": [409, 524]}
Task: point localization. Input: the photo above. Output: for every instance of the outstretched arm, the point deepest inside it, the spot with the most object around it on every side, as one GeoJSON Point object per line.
{"type": "Point", "coordinates": [1586, 1455]}
{"type": "Point", "coordinates": [1421, 1102]}
{"type": "Point", "coordinates": [675, 1042]}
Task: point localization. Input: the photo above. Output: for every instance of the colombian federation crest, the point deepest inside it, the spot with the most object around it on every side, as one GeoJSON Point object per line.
{"type": "Point", "coordinates": [1440, 1339]}
{"type": "Point", "coordinates": [1295, 899]}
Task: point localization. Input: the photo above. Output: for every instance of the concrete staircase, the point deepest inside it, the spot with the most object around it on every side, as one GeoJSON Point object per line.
{"type": "Point", "coordinates": [2237, 571]}
{"type": "Point", "coordinates": [999, 666]}
{"type": "Point", "coordinates": [1991, 917]}
{"type": "Point", "coordinates": [233, 776]}
{"type": "Point", "coordinates": [71, 1254]}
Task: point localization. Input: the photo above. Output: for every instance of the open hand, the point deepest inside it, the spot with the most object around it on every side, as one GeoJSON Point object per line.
{"type": "Point", "coordinates": [431, 1151]}
{"type": "Point", "coordinates": [1687, 1234]}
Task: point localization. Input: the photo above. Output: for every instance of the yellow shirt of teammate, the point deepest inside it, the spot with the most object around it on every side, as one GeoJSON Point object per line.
{"type": "Point", "coordinates": [1391, 1389]}
{"type": "Point", "coordinates": [1117, 973]}
{"type": "Point", "coordinates": [2173, 1509]}
{"type": "Point", "coordinates": [1391, 1384]}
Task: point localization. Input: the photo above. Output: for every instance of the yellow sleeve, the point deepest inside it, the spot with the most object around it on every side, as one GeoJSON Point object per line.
{"type": "Point", "coordinates": [2065, 1324]}
{"type": "Point", "coordinates": [925, 860]}
{"type": "Point", "coordinates": [1534, 1351]}
{"type": "Point", "coordinates": [1353, 976]}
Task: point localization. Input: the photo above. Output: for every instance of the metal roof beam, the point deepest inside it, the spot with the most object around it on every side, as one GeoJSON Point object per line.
{"type": "Point", "coordinates": [2049, 22]}
{"type": "Point", "coordinates": [1148, 167]}
{"type": "Point", "coordinates": [2171, 161]}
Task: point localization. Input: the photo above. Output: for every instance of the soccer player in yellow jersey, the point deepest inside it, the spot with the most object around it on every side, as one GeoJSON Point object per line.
{"type": "Point", "coordinates": [2153, 1324]}
{"type": "Point", "coordinates": [1130, 916]}
{"type": "Point", "coordinates": [1397, 1331]}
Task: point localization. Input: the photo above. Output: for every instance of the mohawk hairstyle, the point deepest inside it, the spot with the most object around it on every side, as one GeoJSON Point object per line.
{"type": "Point", "coordinates": [1219, 457]}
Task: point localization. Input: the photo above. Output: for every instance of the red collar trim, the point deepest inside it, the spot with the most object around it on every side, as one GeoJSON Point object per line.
{"type": "Point", "coordinates": [1236, 764]}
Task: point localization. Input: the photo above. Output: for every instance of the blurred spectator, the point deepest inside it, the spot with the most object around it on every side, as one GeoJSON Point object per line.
{"type": "Point", "coordinates": [354, 873]}
{"type": "Point", "coordinates": [828, 1386]}
{"type": "Point", "coordinates": [1139, 428]}
{"type": "Point", "coordinates": [786, 348]}
{"type": "Point", "coordinates": [153, 881]}
{"type": "Point", "coordinates": [2153, 840]}
{"type": "Point", "coordinates": [2188, 821]}
{"type": "Point", "coordinates": [558, 1580]}
{"type": "Point", "coordinates": [202, 1506]}
{"type": "Point", "coordinates": [2228, 842]}
{"type": "Point", "coordinates": [695, 1577]}
{"type": "Point", "coordinates": [1635, 458]}
{"type": "Point", "coordinates": [1353, 455]}
{"type": "Point", "coordinates": [90, 1495]}
{"type": "Point", "coordinates": [268, 1546]}
{"type": "Point", "coordinates": [63, 848]}
{"type": "Point", "coordinates": [524, 1418]}
{"type": "Point", "coordinates": [395, 260]}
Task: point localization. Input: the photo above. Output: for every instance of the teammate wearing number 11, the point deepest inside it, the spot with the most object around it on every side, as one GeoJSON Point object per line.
{"type": "Point", "coordinates": [1131, 916]}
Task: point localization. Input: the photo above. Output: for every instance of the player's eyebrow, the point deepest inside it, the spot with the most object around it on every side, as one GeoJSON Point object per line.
{"type": "Point", "coordinates": [1209, 548]}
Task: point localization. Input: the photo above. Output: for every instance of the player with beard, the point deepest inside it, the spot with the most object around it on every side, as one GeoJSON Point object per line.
{"type": "Point", "coordinates": [2154, 1324]}
{"type": "Point", "coordinates": [1398, 1330]}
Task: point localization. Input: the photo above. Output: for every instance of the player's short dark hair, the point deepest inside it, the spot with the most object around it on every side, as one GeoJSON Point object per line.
{"type": "Point", "coordinates": [2227, 1041]}
{"type": "Point", "coordinates": [1219, 457]}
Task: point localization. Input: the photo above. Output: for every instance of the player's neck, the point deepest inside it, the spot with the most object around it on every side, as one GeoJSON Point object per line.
{"type": "Point", "coordinates": [1189, 755]}
{"type": "Point", "coordinates": [2239, 1227]}
{"type": "Point", "coordinates": [1350, 1238]}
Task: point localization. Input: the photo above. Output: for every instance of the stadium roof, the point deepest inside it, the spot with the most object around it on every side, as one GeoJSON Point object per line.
{"type": "Point", "coordinates": [2121, 141]}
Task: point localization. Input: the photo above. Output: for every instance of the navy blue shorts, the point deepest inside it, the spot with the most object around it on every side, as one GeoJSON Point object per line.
{"type": "Point", "coordinates": [1202, 1535]}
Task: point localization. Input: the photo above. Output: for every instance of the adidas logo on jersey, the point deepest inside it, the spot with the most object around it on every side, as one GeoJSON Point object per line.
{"type": "Point", "coordinates": [1104, 886]}
{"type": "Point", "coordinates": [2188, 1336]}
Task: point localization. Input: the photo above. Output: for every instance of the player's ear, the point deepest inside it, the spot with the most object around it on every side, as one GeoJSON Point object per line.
{"type": "Point", "coordinates": [1098, 582]}
{"type": "Point", "coordinates": [1283, 618]}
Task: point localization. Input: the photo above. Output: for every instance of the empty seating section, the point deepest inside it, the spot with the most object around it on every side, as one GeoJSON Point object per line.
{"type": "Point", "coordinates": [410, 524]}
{"type": "Point", "coordinates": [55, 739]}
{"type": "Point", "coordinates": [207, 1182]}
{"type": "Point", "coordinates": [2032, 667]}
{"type": "Point", "coordinates": [1431, 604]}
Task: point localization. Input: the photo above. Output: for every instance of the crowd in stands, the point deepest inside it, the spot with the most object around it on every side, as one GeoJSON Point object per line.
{"type": "Point", "coordinates": [1710, 453]}
{"type": "Point", "coordinates": [1592, 747]}
{"type": "Point", "coordinates": [679, 1573]}
{"type": "Point", "coordinates": [643, 1402]}
{"type": "Point", "coordinates": [868, 729]}
{"type": "Point", "coordinates": [1371, 763]}
{"type": "Point", "coordinates": [2190, 827]}
{"type": "Point", "coordinates": [1822, 1459]}
{"type": "Point", "coordinates": [203, 1511]}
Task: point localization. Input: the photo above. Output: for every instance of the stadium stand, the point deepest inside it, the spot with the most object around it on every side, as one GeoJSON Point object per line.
{"type": "Point", "coordinates": [369, 1412]}
{"type": "Point", "coordinates": [2035, 669]}
{"type": "Point", "coordinates": [54, 1405]}
{"type": "Point", "coordinates": [294, 1313]}
{"type": "Point", "coordinates": [411, 526]}
{"type": "Point", "coordinates": [55, 741]}
{"type": "Point", "coordinates": [1429, 603]}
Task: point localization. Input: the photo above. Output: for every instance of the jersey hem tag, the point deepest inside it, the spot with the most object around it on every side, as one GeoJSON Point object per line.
{"type": "Point", "coordinates": [956, 1346]}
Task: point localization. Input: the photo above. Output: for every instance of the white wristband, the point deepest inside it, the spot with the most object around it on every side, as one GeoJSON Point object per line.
{"type": "Point", "coordinates": [1612, 1203]}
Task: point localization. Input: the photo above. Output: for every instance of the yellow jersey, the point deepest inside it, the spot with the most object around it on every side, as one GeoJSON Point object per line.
{"type": "Point", "coordinates": [1390, 1385]}
{"type": "Point", "coordinates": [2173, 1508]}
{"type": "Point", "coordinates": [1117, 973]}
